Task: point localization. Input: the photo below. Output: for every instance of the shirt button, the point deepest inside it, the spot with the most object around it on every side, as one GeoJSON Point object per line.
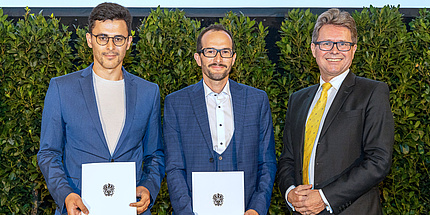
{"type": "Point", "coordinates": [220, 124]}
{"type": "Point", "coordinates": [220, 158]}
{"type": "Point", "coordinates": [219, 106]}
{"type": "Point", "coordinates": [220, 143]}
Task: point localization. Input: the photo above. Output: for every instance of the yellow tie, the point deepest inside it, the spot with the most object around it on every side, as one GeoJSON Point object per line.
{"type": "Point", "coordinates": [312, 130]}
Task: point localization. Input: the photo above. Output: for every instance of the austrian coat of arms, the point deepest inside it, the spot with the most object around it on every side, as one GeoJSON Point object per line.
{"type": "Point", "coordinates": [108, 189]}
{"type": "Point", "coordinates": [218, 199]}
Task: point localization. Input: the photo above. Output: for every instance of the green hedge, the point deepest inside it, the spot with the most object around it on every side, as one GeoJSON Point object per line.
{"type": "Point", "coordinates": [35, 48]}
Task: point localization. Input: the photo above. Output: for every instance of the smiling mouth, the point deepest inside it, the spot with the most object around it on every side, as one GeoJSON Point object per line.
{"type": "Point", "coordinates": [334, 59]}
{"type": "Point", "coordinates": [218, 65]}
{"type": "Point", "coordinates": [110, 54]}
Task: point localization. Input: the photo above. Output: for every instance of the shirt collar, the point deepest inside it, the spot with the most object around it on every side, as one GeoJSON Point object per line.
{"type": "Point", "coordinates": [336, 81]}
{"type": "Point", "coordinates": [225, 90]}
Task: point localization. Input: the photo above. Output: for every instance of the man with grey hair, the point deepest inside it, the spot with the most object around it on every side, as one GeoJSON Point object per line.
{"type": "Point", "coordinates": [339, 134]}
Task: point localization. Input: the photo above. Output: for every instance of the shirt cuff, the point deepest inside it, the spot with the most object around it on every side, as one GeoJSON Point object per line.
{"type": "Point", "coordinates": [286, 196]}
{"type": "Point", "coordinates": [328, 207]}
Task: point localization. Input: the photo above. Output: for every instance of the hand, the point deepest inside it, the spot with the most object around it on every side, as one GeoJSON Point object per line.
{"type": "Point", "coordinates": [74, 205]}
{"type": "Point", "coordinates": [251, 212]}
{"type": "Point", "coordinates": [145, 199]}
{"type": "Point", "coordinates": [294, 196]}
{"type": "Point", "coordinates": [309, 201]}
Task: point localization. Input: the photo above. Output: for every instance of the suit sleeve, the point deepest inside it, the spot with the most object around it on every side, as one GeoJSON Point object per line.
{"type": "Point", "coordinates": [52, 139]}
{"type": "Point", "coordinates": [286, 177]}
{"type": "Point", "coordinates": [260, 200]}
{"type": "Point", "coordinates": [377, 145]}
{"type": "Point", "coordinates": [175, 165]}
{"type": "Point", "coordinates": [153, 152]}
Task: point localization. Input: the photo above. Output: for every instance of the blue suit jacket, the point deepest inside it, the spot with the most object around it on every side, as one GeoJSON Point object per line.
{"type": "Point", "coordinates": [188, 144]}
{"type": "Point", "coordinates": [72, 134]}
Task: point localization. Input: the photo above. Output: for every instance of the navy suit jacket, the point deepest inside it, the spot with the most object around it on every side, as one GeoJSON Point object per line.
{"type": "Point", "coordinates": [72, 134]}
{"type": "Point", "coordinates": [354, 149]}
{"type": "Point", "coordinates": [188, 144]}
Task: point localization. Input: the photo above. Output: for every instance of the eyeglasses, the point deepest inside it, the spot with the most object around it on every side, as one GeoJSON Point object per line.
{"type": "Point", "coordinates": [212, 52]}
{"type": "Point", "coordinates": [103, 39]}
{"type": "Point", "coordinates": [328, 45]}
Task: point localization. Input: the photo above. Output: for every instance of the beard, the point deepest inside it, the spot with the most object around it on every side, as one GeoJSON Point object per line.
{"type": "Point", "coordinates": [216, 76]}
{"type": "Point", "coordinates": [110, 63]}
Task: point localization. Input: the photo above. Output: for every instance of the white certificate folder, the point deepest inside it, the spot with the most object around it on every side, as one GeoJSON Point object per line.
{"type": "Point", "coordinates": [218, 193]}
{"type": "Point", "coordinates": [109, 188]}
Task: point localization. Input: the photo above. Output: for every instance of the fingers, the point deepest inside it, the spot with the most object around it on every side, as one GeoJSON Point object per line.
{"type": "Point", "coordinates": [145, 199]}
{"type": "Point", "coordinates": [312, 204]}
{"type": "Point", "coordinates": [303, 187]}
{"type": "Point", "coordinates": [82, 207]}
{"type": "Point", "coordinates": [141, 206]}
{"type": "Point", "coordinates": [74, 205]}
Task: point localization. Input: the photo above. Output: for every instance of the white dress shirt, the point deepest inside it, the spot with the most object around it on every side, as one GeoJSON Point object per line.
{"type": "Point", "coordinates": [220, 115]}
{"type": "Point", "coordinates": [110, 97]}
{"type": "Point", "coordinates": [336, 82]}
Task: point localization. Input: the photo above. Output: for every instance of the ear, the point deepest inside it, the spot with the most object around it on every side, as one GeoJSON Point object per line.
{"type": "Point", "coordinates": [233, 59]}
{"type": "Point", "coordinates": [313, 48]}
{"type": "Point", "coordinates": [129, 41]}
{"type": "Point", "coordinates": [354, 48]}
{"type": "Point", "coordinates": [89, 38]}
{"type": "Point", "coordinates": [198, 59]}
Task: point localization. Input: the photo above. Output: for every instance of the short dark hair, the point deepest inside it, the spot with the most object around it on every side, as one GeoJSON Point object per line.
{"type": "Point", "coordinates": [335, 17]}
{"type": "Point", "coordinates": [213, 28]}
{"type": "Point", "coordinates": [109, 11]}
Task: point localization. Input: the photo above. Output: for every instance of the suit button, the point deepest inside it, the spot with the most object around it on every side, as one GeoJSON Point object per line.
{"type": "Point", "coordinates": [220, 158]}
{"type": "Point", "coordinates": [211, 160]}
{"type": "Point", "coordinates": [112, 160]}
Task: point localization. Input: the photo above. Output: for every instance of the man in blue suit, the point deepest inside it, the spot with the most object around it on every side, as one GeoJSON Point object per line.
{"type": "Point", "coordinates": [102, 114]}
{"type": "Point", "coordinates": [219, 125]}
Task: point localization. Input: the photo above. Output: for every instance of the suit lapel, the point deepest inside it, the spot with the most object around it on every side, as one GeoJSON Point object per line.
{"type": "Point", "coordinates": [86, 82]}
{"type": "Point", "coordinates": [238, 95]}
{"type": "Point", "coordinates": [198, 102]}
{"type": "Point", "coordinates": [130, 106]}
{"type": "Point", "coordinates": [341, 96]}
{"type": "Point", "coordinates": [303, 114]}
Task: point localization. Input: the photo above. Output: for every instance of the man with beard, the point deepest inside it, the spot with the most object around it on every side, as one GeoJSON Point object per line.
{"type": "Point", "coordinates": [219, 125]}
{"type": "Point", "coordinates": [102, 114]}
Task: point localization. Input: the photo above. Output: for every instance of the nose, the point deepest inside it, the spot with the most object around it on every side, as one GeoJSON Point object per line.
{"type": "Point", "coordinates": [218, 57]}
{"type": "Point", "coordinates": [110, 45]}
{"type": "Point", "coordinates": [335, 50]}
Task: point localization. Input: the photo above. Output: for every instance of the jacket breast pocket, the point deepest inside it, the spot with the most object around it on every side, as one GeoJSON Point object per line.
{"type": "Point", "coordinates": [350, 114]}
{"type": "Point", "coordinates": [139, 122]}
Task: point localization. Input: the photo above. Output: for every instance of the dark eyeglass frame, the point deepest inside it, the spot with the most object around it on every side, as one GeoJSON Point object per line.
{"type": "Point", "coordinates": [109, 38]}
{"type": "Point", "coordinates": [202, 51]}
{"type": "Point", "coordinates": [332, 45]}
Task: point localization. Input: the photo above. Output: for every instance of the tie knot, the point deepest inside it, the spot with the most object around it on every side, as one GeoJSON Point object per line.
{"type": "Point", "coordinates": [326, 86]}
